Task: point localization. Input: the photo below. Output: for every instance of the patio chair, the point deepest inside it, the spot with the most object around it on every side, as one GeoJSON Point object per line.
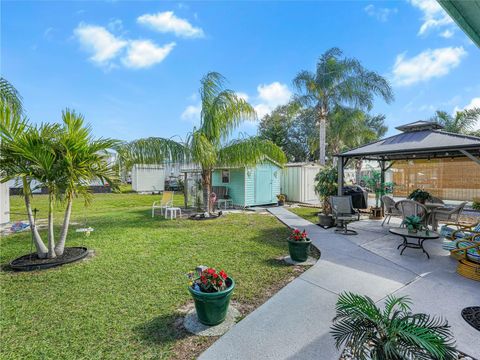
{"type": "Point", "coordinates": [468, 255]}
{"type": "Point", "coordinates": [412, 208]}
{"type": "Point", "coordinates": [165, 202]}
{"type": "Point", "coordinates": [452, 236]}
{"type": "Point", "coordinates": [446, 214]}
{"type": "Point", "coordinates": [344, 213]}
{"type": "Point", "coordinates": [435, 200]}
{"type": "Point", "coordinates": [390, 208]}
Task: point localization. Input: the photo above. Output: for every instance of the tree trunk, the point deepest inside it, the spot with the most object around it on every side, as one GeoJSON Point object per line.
{"type": "Point", "coordinates": [207, 184]}
{"type": "Point", "coordinates": [322, 136]}
{"type": "Point", "coordinates": [51, 241]}
{"type": "Point", "coordinates": [37, 240]}
{"type": "Point", "coordinates": [358, 171]}
{"type": "Point", "coordinates": [66, 222]}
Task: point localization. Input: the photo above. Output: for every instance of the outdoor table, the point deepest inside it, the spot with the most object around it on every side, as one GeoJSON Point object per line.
{"type": "Point", "coordinates": [430, 207]}
{"type": "Point", "coordinates": [420, 236]}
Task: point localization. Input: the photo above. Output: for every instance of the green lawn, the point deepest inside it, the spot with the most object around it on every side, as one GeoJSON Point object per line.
{"type": "Point", "coordinates": [123, 302]}
{"type": "Point", "coordinates": [308, 213]}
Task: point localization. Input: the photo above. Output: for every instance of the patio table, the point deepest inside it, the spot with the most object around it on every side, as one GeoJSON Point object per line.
{"type": "Point", "coordinates": [420, 236]}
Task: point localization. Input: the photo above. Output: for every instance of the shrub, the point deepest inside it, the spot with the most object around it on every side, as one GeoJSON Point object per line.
{"type": "Point", "coordinates": [326, 186]}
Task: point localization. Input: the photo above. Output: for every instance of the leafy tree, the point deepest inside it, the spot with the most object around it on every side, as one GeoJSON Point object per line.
{"type": "Point", "coordinates": [326, 186]}
{"type": "Point", "coordinates": [64, 158]}
{"type": "Point", "coordinates": [208, 146]}
{"type": "Point", "coordinates": [292, 129]}
{"type": "Point", "coordinates": [338, 81]}
{"type": "Point", "coordinates": [461, 123]}
{"type": "Point", "coordinates": [394, 333]}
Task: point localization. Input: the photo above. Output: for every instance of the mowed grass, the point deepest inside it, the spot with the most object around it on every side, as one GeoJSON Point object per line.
{"type": "Point", "coordinates": [122, 303]}
{"type": "Point", "coordinates": [308, 213]}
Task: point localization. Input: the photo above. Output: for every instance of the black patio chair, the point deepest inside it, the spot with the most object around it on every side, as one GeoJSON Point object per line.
{"type": "Point", "coordinates": [344, 213]}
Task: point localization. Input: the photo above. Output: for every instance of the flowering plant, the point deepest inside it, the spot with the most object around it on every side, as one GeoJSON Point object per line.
{"type": "Point", "coordinates": [210, 280]}
{"type": "Point", "coordinates": [296, 235]}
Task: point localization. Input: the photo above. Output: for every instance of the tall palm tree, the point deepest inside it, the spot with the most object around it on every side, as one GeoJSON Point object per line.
{"type": "Point", "coordinates": [393, 333]}
{"type": "Point", "coordinates": [208, 146]}
{"type": "Point", "coordinates": [461, 123]}
{"type": "Point", "coordinates": [338, 81]}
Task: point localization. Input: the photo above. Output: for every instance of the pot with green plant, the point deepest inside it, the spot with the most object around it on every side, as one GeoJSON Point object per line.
{"type": "Point", "coordinates": [326, 186]}
{"type": "Point", "coordinates": [420, 196]}
{"type": "Point", "coordinates": [281, 198]}
{"type": "Point", "coordinates": [211, 291]}
{"type": "Point", "coordinates": [374, 184]}
{"type": "Point", "coordinates": [299, 245]}
{"type": "Point", "coordinates": [392, 333]}
{"type": "Point", "coordinates": [414, 224]}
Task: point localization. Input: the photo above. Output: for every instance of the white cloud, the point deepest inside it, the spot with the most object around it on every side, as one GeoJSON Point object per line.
{"type": "Point", "coordinates": [270, 96]}
{"type": "Point", "coordinates": [243, 96]}
{"type": "Point", "coordinates": [447, 34]}
{"type": "Point", "coordinates": [192, 113]}
{"type": "Point", "coordinates": [426, 65]}
{"type": "Point", "coordinates": [144, 53]}
{"type": "Point", "coordinates": [381, 14]}
{"type": "Point", "coordinates": [115, 25]}
{"type": "Point", "coordinates": [433, 15]}
{"type": "Point", "coordinates": [167, 22]}
{"type": "Point", "coordinates": [98, 41]}
{"type": "Point", "coordinates": [475, 103]}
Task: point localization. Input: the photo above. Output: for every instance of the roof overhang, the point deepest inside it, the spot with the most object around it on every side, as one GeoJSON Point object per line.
{"type": "Point", "coordinates": [466, 13]}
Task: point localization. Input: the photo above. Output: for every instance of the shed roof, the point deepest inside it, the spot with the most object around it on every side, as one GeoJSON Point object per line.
{"type": "Point", "coordinates": [419, 140]}
{"type": "Point", "coordinates": [466, 14]}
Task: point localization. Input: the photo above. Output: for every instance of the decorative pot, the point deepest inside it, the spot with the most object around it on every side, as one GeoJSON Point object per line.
{"type": "Point", "coordinates": [299, 250]}
{"type": "Point", "coordinates": [212, 307]}
{"type": "Point", "coordinates": [280, 203]}
{"type": "Point", "coordinates": [376, 213]}
{"type": "Point", "coordinates": [325, 221]}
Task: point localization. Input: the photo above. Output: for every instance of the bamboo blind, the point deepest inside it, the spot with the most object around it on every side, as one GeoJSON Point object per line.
{"type": "Point", "coordinates": [449, 179]}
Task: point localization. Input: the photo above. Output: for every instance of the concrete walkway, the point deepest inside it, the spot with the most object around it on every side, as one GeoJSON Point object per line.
{"type": "Point", "coordinates": [295, 322]}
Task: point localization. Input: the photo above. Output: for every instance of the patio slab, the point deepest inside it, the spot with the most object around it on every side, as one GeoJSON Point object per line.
{"type": "Point", "coordinates": [295, 322]}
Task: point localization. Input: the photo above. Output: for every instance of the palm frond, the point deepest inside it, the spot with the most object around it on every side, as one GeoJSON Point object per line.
{"type": "Point", "coordinates": [10, 97]}
{"type": "Point", "coordinates": [250, 151]}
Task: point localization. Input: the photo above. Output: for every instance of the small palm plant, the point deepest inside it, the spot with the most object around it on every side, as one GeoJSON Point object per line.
{"type": "Point", "coordinates": [394, 333]}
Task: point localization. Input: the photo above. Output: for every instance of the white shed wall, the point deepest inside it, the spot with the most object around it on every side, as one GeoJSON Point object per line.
{"type": "Point", "coordinates": [148, 178]}
{"type": "Point", "coordinates": [4, 203]}
{"type": "Point", "coordinates": [298, 182]}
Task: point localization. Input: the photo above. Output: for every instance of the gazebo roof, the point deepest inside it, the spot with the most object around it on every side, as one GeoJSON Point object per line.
{"type": "Point", "coordinates": [418, 140]}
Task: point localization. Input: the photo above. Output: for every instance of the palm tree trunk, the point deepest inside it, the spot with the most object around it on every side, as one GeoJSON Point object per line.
{"type": "Point", "coordinates": [207, 184]}
{"type": "Point", "coordinates": [322, 135]}
{"type": "Point", "coordinates": [37, 240]}
{"type": "Point", "coordinates": [51, 241]}
{"type": "Point", "coordinates": [59, 248]}
{"type": "Point", "coordinates": [358, 170]}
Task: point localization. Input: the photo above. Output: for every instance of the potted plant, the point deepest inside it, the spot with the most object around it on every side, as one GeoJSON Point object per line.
{"type": "Point", "coordinates": [374, 184]}
{"type": "Point", "coordinates": [420, 196]}
{"type": "Point", "coordinates": [414, 224]}
{"type": "Point", "coordinates": [281, 199]}
{"type": "Point", "coordinates": [390, 333]}
{"type": "Point", "coordinates": [326, 186]}
{"type": "Point", "coordinates": [299, 245]}
{"type": "Point", "coordinates": [211, 291]}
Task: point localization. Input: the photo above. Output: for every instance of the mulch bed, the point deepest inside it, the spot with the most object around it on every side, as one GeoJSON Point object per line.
{"type": "Point", "coordinates": [31, 261]}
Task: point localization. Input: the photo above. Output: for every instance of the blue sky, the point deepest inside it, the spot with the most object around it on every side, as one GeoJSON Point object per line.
{"type": "Point", "coordinates": [133, 68]}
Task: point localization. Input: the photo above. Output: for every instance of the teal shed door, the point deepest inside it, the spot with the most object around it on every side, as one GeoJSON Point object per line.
{"type": "Point", "coordinates": [263, 186]}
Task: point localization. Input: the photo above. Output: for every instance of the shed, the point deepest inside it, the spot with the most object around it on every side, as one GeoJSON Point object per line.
{"type": "Point", "coordinates": [298, 182]}
{"type": "Point", "coordinates": [250, 186]}
{"type": "Point", "coordinates": [148, 178]}
{"type": "Point", "coordinates": [4, 203]}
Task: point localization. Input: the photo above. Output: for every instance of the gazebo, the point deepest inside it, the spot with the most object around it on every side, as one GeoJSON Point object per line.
{"type": "Point", "coordinates": [417, 140]}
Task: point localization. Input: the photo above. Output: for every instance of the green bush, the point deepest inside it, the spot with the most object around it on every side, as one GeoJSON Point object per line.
{"type": "Point", "coordinates": [326, 186]}
{"type": "Point", "coordinates": [476, 204]}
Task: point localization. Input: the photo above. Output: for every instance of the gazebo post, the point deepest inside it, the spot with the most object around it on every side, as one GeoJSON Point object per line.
{"type": "Point", "coordinates": [382, 181]}
{"type": "Point", "coordinates": [340, 165]}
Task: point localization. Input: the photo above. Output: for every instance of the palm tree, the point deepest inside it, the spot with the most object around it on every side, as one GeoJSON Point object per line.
{"type": "Point", "coordinates": [63, 158]}
{"type": "Point", "coordinates": [10, 97]}
{"type": "Point", "coordinates": [208, 146]}
{"type": "Point", "coordinates": [461, 123]}
{"type": "Point", "coordinates": [338, 81]}
{"type": "Point", "coordinates": [83, 159]}
{"type": "Point", "coordinates": [394, 333]}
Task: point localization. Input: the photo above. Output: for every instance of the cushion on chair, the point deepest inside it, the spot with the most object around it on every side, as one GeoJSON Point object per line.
{"type": "Point", "coordinates": [449, 244]}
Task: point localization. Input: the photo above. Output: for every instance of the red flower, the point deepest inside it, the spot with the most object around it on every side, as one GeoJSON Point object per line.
{"type": "Point", "coordinates": [223, 274]}
{"type": "Point", "coordinates": [220, 282]}
{"type": "Point", "coordinates": [215, 276]}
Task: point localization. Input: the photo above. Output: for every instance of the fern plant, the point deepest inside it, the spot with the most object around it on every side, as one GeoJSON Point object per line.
{"type": "Point", "coordinates": [393, 333]}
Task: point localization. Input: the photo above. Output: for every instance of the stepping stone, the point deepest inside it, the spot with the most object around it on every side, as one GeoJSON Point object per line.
{"type": "Point", "coordinates": [309, 262]}
{"type": "Point", "coordinates": [194, 326]}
